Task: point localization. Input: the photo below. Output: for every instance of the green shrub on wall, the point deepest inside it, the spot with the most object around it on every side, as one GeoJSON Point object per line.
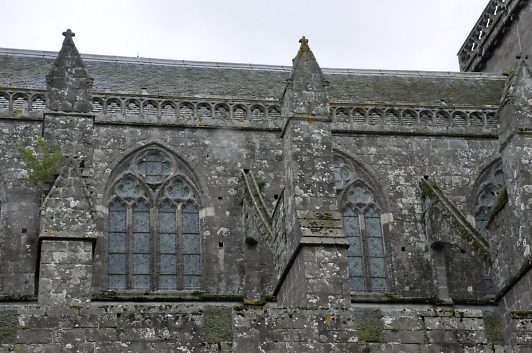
{"type": "Point", "coordinates": [43, 165]}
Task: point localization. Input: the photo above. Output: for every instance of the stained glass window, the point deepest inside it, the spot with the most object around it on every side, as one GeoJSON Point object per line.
{"type": "Point", "coordinates": [363, 230]}
{"type": "Point", "coordinates": [153, 232]}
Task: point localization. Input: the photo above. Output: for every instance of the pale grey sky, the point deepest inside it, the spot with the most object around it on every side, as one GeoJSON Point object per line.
{"type": "Point", "coordinates": [371, 34]}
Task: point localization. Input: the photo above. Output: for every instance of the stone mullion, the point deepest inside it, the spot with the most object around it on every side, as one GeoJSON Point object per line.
{"type": "Point", "coordinates": [364, 248]}
{"type": "Point", "coordinates": [179, 248]}
{"type": "Point", "coordinates": [129, 242]}
{"type": "Point", "coordinates": [154, 248]}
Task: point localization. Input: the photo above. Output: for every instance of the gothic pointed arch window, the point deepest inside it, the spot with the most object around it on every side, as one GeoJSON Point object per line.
{"type": "Point", "coordinates": [361, 217]}
{"type": "Point", "coordinates": [488, 188]}
{"type": "Point", "coordinates": [153, 230]}
{"type": "Point", "coordinates": [491, 184]}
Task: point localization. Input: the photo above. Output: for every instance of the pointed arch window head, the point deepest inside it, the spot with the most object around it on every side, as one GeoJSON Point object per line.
{"type": "Point", "coordinates": [154, 230]}
{"type": "Point", "coordinates": [363, 229]}
{"type": "Point", "coordinates": [154, 166]}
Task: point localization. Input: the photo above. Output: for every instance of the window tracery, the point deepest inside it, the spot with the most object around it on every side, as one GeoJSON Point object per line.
{"type": "Point", "coordinates": [486, 195]}
{"type": "Point", "coordinates": [153, 232]}
{"type": "Point", "coordinates": [363, 230]}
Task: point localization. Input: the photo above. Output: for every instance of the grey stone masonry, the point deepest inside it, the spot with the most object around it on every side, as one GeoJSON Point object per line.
{"type": "Point", "coordinates": [68, 87]}
{"type": "Point", "coordinates": [315, 271]}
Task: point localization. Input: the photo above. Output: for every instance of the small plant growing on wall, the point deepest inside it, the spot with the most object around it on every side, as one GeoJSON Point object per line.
{"type": "Point", "coordinates": [43, 165]}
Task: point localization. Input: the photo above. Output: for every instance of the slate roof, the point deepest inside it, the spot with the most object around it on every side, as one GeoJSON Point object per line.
{"type": "Point", "coordinates": [173, 78]}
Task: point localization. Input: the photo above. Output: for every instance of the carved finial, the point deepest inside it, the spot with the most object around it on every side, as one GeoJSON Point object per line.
{"type": "Point", "coordinates": [304, 42]}
{"type": "Point", "coordinates": [69, 33]}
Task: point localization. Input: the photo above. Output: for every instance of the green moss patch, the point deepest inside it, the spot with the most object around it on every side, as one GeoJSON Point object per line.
{"type": "Point", "coordinates": [368, 324]}
{"type": "Point", "coordinates": [217, 324]}
{"type": "Point", "coordinates": [8, 326]}
{"type": "Point", "coordinates": [493, 328]}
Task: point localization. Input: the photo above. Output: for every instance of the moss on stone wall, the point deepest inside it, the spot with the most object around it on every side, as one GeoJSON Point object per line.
{"type": "Point", "coordinates": [217, 324]}
{"type": "Point", "coordinates": [8, 326]}
{"type": "Point", "coordinates": [493, 328]}
{"type": "Point", "coordinates": [368, 325]}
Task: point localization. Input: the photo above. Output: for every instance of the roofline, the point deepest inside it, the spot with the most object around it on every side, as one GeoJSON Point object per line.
{"type": "Point", "coordinates": [240, 66]}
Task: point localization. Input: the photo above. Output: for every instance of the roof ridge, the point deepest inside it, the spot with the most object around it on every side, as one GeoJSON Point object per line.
{"type": "Point", "coordinates": [242, 66]}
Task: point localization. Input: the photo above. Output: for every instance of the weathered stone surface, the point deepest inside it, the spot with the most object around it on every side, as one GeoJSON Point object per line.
{"type": "Point", "coordinates": [68, 86]}
{"type": "Point", "coordinates": [278, 265]}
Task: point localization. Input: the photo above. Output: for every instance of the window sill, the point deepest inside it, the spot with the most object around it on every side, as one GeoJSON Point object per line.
{"type": "Point", "coordinates": [166, 296]}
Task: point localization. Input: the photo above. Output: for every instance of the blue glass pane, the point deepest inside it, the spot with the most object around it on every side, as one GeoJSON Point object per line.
{"type": "Point", "coordinates": [191, 244]}
{"type": "Point", "coordinates": [141, 282]}
{"type": "Point", "coordinates": [356, 267]}
{"type": "Point", "coordinates": [117, 242]}
{"type": "Point", "coordinates": [359, 195]}
{"type": "Point", "coordinates": [141, 243]}
{"type": "Point", "coordinates": [141, 263]}
{"type": "Point", "coordinates": [481, 226]}
{"type": "Point", "coordinates": [377, 267]}
{"type": "Point", "coordinates": [117, 206]}
{"type": "Point", "coordinates": [154, 167]}
{"type": "Point", "coordinates": [378, 285]}
{"type": "Point", "coordinates": [167, 222]}
{"type": "Point", "coordinates": [168, 282]}
{"type": "Point", "coordinates": [167, 243]}
{"type": "Point", "coordinates": [373, 226]}
{"type": "Point", "coordinates": [117, 263]}
{"type": "Point", "coordinates": [129, 188]}
{"type": "Point", "coordinates": [192, 282]}
{"type": "Point", "coordinates": [355, 246]}
{"type": "Point", "coordinates": [189, 207]}
{"type": "Point", "coordinates": [117, 281]}
{"type": "Point", "coordinates": [351, 226]}
{"type": "Point", "coordinates": [141, 219]}
{"type": "Point", "coordinates": [358, 284]}
{"type": "Point", "coordinates": [117, 221]}
{"type": "Point", "coordinates": [348, 212]}
{"type": "Point", "coordinates": [191, 264]}
{"type": "Point", "coordinates": [167, 264]}
{"type": "Point", "coordinates": [375, 247]}
{"type": "Point", "coordinates": [178, 189]}
{"type": "Point", "coordinates": [190, 222]}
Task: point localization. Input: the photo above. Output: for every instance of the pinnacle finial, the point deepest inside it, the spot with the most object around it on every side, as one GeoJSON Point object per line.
{"type": "Point", "coordinates": [303, 41]}
{"type": "Point", "coordinates": [69, 34]}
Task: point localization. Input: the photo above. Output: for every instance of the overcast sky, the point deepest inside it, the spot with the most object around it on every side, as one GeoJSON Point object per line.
{"type": "Point", "coordinates": [370, 34]}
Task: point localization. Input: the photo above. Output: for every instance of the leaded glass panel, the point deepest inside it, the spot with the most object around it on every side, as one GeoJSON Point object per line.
{"type": "Point", "coordinates": [168, 281]}
{"type": "Point", "coordinates": [375, 247]}
{"type": "Point", "coordinates": [178, 190]}
{"type": "Point", "coordinates": [117, 263]}
{"type": "Point", "coordinates": [129, 188]}
{"type": "Point", "coordinates": [190, 222]}
{"type": "Point", "coordinates": [357, 283]}
{"type": "Point", "coordinates": [117, 220]}
{"type": "Point", "coordinates": [191, 244]}
{"type": "Point", "coordinates": [154, 167]}
{"type": "Point", "coordinates": [141, 281]}
{"type": "Point", "coordinates": [192, 282]}
{"type": "Point", "coordinates": [141, 219]}
{"type": "Point", "coordinates": [167, 221]}
{"type": "Point", "coordinates": [141, 263]}
{"type": "Point", "coordinates": [167, 264]}
{"type": "Point", "coordinates": [191, 264]}
{"type": "Point", "coordinates": [117, 281]}
{"type": "Point", "coordinates": [356, 267]}
{"type": "Point", "coordinates": [377, 267]}
{"type": "Point", "coordinates": [141, 243]}
{"type": "Point", "coordinates": [167, 243]}
{"type": "Point", "coordinates": [355, 246]}
{"type": "Point", "coordinates": [373, 225]}
{"type": "Point", "coordinates": [378, 285]}
{"type": "Point", "coordinates": [117, 243]}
